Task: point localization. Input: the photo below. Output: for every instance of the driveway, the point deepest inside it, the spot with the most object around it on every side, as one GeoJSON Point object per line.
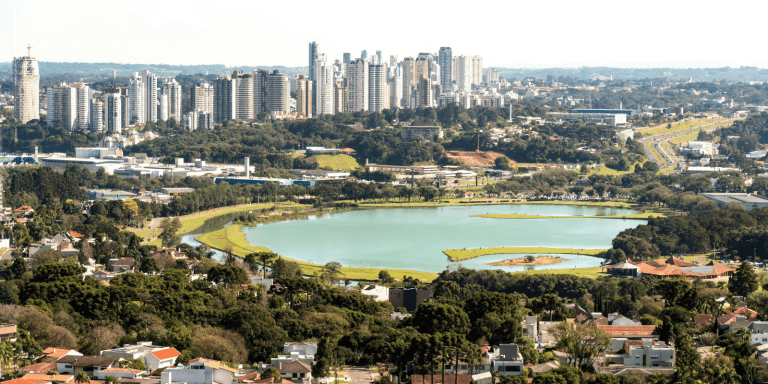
{"type": "Point", "coordinates": [360, 375]}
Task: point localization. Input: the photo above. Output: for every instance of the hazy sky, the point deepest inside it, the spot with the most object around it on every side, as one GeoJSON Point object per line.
{"type": "Point", "coordinates": [533, 33]}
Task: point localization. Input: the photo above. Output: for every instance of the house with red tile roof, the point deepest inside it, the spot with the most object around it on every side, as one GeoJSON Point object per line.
{"type": "Point", "coordinates": [670, 268]}
{"type": "Point", "coordinates": [742, 311]}
{"type": "Point", "coordinates": [630, 331]}
{"type": "Point", "coordinates": [52, 354]}
{"type": "Point", "coordinates": [25, 381]}
{"type": "Point", "coordinates": [120, 373]}
{"type": "Point", "coordinates": [51, 378]}
{"type": "Point", "coordinates": [161, 358]}
{"type": "Point", "coordinates": [37, 368]}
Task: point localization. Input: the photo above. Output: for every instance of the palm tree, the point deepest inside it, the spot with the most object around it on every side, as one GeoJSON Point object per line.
{"type": "Point", "coordinates": [82, 378]}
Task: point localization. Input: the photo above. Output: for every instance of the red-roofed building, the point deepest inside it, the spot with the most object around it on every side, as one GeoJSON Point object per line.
{"type": "Point", "coordinates": [161, 359]}
{"type": "Point", "coordinates": [8, 332]}
{"type": "Point", "coordinates": [120, 373]}
{"type": "Point", "coordinates": [53, 354]}
{"type": "Point", "coordinates": [742, 311]}
{"type": "Point", "coordinates": [47, 377]}
{"type": "Point", "coordinates": [670, 268]}
{"type": "Point", "coordinates": [630, 331]}
{"type": "Point", "coordinates": [38, 368]}
{"type": "Point", "coordinates": [25, 381]}
{"type": "Point", "coordinates": [250, 377]}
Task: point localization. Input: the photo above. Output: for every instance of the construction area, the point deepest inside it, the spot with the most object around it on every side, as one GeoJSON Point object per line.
{"type": "Point", "coordinates": [474, 158]}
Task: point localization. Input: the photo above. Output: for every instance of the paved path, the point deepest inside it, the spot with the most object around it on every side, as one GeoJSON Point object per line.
{"type": "Point", "coordinates": [155, 222]}
{"type": "Point", "coordinates": [360, 375]}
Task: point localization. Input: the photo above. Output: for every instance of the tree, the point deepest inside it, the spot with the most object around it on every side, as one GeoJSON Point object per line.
{"type": "Point", "coordinates": [169, 235]}
{"type": "Point", "coordinates": [744, 280]}
{"type": "Point", "coordinates": [385, 277]}
{"type": "Point", "coordinates": [549, 378]}
{"type": "Point", "coordinates": [149, 266]}
{"type": "Point", "coordinates": [6, 355]}
{"type": "Point", "coordinates": [582, 344]}
{"type": "Point", "coordinates": [687, 359]}
{"type": "Point", "coordinates": [82, 378]}
{"type": "Point", "coordinates": [605, 378]}
{"type": "Point", "coordinates": [431, 318]}
{"type": "Point", "coordinates": [271, 372]}
{"type": "Point", "coordinates": [501, 162]}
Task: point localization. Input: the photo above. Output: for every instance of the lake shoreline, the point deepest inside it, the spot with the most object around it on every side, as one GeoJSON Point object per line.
{"type": "Point", "coordinates": [522, 262]}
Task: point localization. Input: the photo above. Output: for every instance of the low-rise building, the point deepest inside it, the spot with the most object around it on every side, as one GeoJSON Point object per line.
{"type": "Point", "coordinates": [376, 292]}
{"type": "Point", "coordinates": [408, 298]}
{"type": "Point", "coordinates": [153, 356]}
{"type": "Point", "coordinates": [649, 353]}
{"type": "Point", "coordinates": [8, 332]}
{"type": "Point", "coordinates": [120, 373]}
{"type": "Point", "coordinates": [199, 371]}
{"type": "Point", "coordinates": [509, 361]}
{"type": "Point", "coordinates": [91, 365]}
{"type": "Point", "coordinates": [704, 148]}
{"type": "Point", "coordinates": [426, 133]}
{"type": "Point", "coordinates": [749, 201]}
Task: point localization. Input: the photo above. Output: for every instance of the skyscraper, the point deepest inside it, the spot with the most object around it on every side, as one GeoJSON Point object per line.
{"type": "Point", "coordinates": [396, 89]}
{"type": "Point", "coordinates": [425, 92]}
{"type": "Point", "coordinates": [408, 66]}
{"type": "Point", "coordinates": [172, 90]}
{"type": "Point", "coordinates": [364, 54]}
{"type": "Point", "coordinates": [357, 85]}
{"type": "Point", "coordinates": [393, 61]}
{"type": "Point", "coordinates": [97, 116]}
{"type": "Point", "coordinates": [464, 73]}
{"type": "Point", "coordinates": [323, 87]}
{"type": "Point", "coordinates": [62, 106]}
{"type": "Point", "coordinates": [446, 64]}
{"type": "Point", "coordinates": [340, 97]}
{"type": "Point", "coordinates": [26, 88]}
{"type": "Point", "coordinates": [203, 97]}
{"type": "Point", "coordinates": [379, 58]}
{"type": "Point", "coordinates": [377, 86]}
{"type": "Point", "coordinates": [84, 97]}
{"type": "Point", "coordinates": [278, 94]}
{"type": "Point", "coordinates": [477, 70]}
{"type": "Point", "coordinates": [112, 113]}
{"type": "Point", "coordinates": [225, 94]}
{"type": "Point", "coordinates": [244, 97]}
{"type": "Point", "coordinates": [347, 57]}
{"type": "Point", "coordinates": [303, 96]}
{"type": "Point", "coordinates": [260, 92]}
{"type": "Point", "coordinates": [136, 102]}
{"type": "Point", "coordinates": [491, 76]}
{"type": "Point", "coordinates": [150, 93]}
{"type": "Point", "coordinates": [313, 54]}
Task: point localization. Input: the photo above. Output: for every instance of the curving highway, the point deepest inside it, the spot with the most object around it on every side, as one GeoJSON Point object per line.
{"type": "Point", "coordinates": [670, 160]}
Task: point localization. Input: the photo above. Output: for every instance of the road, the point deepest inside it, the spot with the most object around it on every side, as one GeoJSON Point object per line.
{"type": "Point", "coordinates": [360, 375]}
{"type": "Point", "coordinates": [671, 159]}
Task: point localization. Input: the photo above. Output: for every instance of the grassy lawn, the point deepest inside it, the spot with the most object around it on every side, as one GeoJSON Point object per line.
{"type": "Point", "coordinates": [336, 162]}
{"type": "Point", "coordinates": [233, 236]}
{"type": "Point", "coordinates": [192, 221]}
{"type": "Point", "coordinates": [465, 254]}
{"type": "Point", "coordinates": [680, 126]}
{"type": "Point", "coordinates": [684, 138]}
{"type": "Point", "coordinates": [591, 273]}
{"type": "Point", "coordinates": [644, 215]}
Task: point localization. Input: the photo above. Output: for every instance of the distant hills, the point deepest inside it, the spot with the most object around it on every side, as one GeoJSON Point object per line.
{"type": "Point", "coordinates": [583, 73]}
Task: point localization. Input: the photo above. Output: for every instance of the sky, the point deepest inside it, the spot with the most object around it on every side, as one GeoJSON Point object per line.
{"type": "Point", "coordinates": [534, 33]}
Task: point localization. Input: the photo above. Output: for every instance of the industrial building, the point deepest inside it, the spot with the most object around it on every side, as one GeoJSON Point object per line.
{"type": "Point", "coordinates": [426, 133]}
{"type": "Point", "coordinates": [612, 119]}
{"type": "Point", "coordinates": [628, 112]}
{"type": "Point", "coordinates": [749, 201]}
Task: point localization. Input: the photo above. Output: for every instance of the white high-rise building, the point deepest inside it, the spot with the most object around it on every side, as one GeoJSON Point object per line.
{"type": "Point", "coordinates": [393, 61]}
{"type": "Point", "coordinates": [172, 91]}
{"type": "Point", "coordinates": [477, 70]}
{"type": "Point", "coordinates": [150, 94]}
{"type": "Point", "coordinates": [203, 97]}
{"type": "Point", "coordinates": [357, 85]}
{"type": "Point", "coordinates": [323, 86]}
{"type": "Point", "coordinates": [463, 73]}
{"type": "Point", "coordinates": [244, 97]}
{"type": "Point", "coordinates": [62, 106]}
{"type": "Point", "coordinates": [84, 97]}
{"type": "Point", "coordinates": [377, 87]}
{"type": "Point", "coordinates": [491, 76]}
{"type": "Point", "coordinates": [162, 101]}
{"type": "Point", "coordinates": [445, 60]}
{"type": "Point", "coordinates": [136, 101]}
{"type": "Point", "coordinates": [97, 116]}
{"type": "Point", "coordinates": [112, 113]}
{"type": "Point", "coordinates": [396, 89]}
{"type": "Point", "coordinates": [26, 88]}
{"type": "Point", "coordinates": [408, 67]}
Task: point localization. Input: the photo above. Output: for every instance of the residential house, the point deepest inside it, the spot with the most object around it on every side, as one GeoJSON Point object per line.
{"type": "Point", "coordinates": [123, 264]}
{"type": "Point", "coordinates": [303, 347]}
{"type": "Point", "coordinates": [296, 355]}
{"type": "Point", "coordinates": [25, 381]}
{"type": "Point", "coordinates": [296, 370]}
{"type": "Point", "coordinates": [51, 355]}
{"type": "Point", "coordinates": [509, 361]}
{"type": "Point", "coordinates": [483, 378]}
{"type": "Point", "coordinates": [52, 378]}
{"type": "Point", "coordinates": [91, 365]}
{"type": "Point", "coordinates": [262, 281]}
{"type": "Point", "coordinates": [648, 353]}
{"type": "Point", "coordinates": [408, 298]}
{"type": "Point", "coordinates": [376, 292]}
{"type": "Point", "coordinates": [153, 356]}
{"type": "Point", "coordinates": [24, 210]}
{"type": "Point", "coordinates": [102, 275]}
{"type": "Point", "coordinates": [544, 367]}
{"type": "Point", "coordinates": [747, 313]}
{"type": "Point", "coordinates": [199, 371]}
{"type": "Point", "coordinates": [759, 331]}
{"type": "Point", "coordinates": [669, 269]}
{"type": "Point", "coordinates": [531, 328]}
{"type": "Point", "coordinates": [120, 373]}
{"type": "Point", "coordinates": [631, 332]}
{"type": "Point", "coordinates": [38, 368]}
{"type": "Point", "coordinates": [8, 332]}
{"type": "Point", "coordinates": [438, 379]}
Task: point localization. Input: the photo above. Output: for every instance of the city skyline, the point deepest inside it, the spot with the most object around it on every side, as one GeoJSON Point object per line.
{"type": "Point", "coordinates": [560, 34]}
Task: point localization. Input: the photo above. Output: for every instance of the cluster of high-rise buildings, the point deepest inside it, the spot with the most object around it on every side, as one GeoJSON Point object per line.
{"type": "Point", "coordinates": [367, 83]}
{"type": "Point", "coordinates": [147, 98]}
{"type": "Point", "coordinates": [374, 83]}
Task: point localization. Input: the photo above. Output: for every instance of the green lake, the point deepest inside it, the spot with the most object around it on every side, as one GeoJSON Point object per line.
{"type": "Point", "coordinates": [415, 238]}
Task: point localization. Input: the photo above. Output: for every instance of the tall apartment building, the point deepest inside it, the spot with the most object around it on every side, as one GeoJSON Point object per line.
{"type": "Point", "coordinates": [225, 99]}
{"type": "Point", "coordinates": [260, 92]}
{"type": "Point", "coordinates": [421, 68]}
{"type": "Point", "coordinates": [278, 94]}
{"type": "Point", "coordinates": [62, 106]}
{"type": "Point", "coordinates": [425, 92]}
{"type": "Point", "coordinates": [324, 87]}
{"type": "Point", "coordinates": [347, 57]}
{"type": "Point", "coordinates": [408, 66]}
{"type": "Point", "coordinates": [491, 76]}
{"type": "Point", "coordinates": [172, 91]}
{"type": "Point", "coordinates": [357, 85]}
{"type": "Point", "coordinates": [477, 70]}
{"type": "Point", "coordinates": [314, 53]}
{"type": "Point", "coordinates": [97, 116]}
{"type": "Point", "coordinates": [136, 101]}
{"type": "Point", "coordinates": [393, 61]}
{"type": "Point", "coordinates": [150, 94]}
{"type": "Point", "coordinates": [162, 106]}
{"type": "Point", "coordinates": [26, 88]}
{"type": "Point", "coordinates": [339, 97]}
{"type": "Point", "coordinates": [244, 95]}
{"type": "Point", "coordinates": [303, 96]}
{"type": "Point", "coordinates": [84, 97]}
{"type": "Point", "coordinates": [377, 87]}
{"type": "Point", "coordinates": [463, 73]}
{"type": "Point", "coordinates": [203, 97]}
{"type": "Point", "coordinates": [445, 59]}
{"type": "Point", "coordinates": [112, 112]}
{"type": "Point", "coordinates": [395, 89]}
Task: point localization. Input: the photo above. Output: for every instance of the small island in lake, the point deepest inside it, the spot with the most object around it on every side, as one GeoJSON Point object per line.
{"type": "Point", "coordinates": [528, 260]}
